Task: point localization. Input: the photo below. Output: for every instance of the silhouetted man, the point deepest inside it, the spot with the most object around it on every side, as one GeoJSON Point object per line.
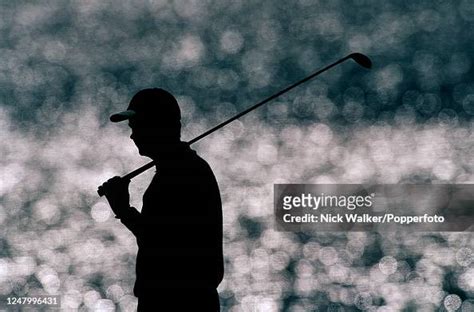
{"type": "Point", "coordinates": [179, 229]}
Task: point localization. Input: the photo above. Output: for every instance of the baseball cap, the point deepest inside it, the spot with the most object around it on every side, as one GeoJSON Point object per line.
{"type": "Point", "coordinates": [152, 104]}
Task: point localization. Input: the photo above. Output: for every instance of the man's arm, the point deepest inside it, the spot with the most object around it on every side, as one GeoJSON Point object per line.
{"type": "Point", "coordinates": [132, 219]}
{"type": "Point", "coordinates": [116, 192]}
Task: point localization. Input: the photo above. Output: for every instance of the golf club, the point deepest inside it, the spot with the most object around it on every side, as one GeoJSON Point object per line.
{"type": "Point", "coordinates": [359, 58]}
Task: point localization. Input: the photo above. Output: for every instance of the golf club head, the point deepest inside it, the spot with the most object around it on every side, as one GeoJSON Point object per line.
{"type": "Point", "coordinates": [361, 59]}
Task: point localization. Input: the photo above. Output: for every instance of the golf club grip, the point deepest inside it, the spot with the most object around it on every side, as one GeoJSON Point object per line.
{"type": "Point", "coordinates": [354, 56]}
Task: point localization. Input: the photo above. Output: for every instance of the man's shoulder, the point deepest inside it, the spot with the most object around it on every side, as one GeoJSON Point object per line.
{"type": "Point", "coordinates": [199, 163]}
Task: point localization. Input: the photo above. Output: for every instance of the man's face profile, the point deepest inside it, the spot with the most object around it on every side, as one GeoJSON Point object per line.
{"type": "Point", "coordinates": [150, 138]}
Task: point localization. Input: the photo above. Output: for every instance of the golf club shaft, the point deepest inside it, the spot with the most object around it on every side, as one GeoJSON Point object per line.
{"type": "Point", "coordinates": [147, 166]}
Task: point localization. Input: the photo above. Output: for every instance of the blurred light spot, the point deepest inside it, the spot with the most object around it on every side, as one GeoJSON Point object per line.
{"type": "Point", "coordinates": [464, 257]}
{"type": "Point", "coordinates": [353, 111]}
{"type": "Point", "coordinates": [466, 10]}
{"type": "Point", "coordinates": [321, 134]}
{"type": "Point", "coordinates": [459, 64]}
{"type": "Point", "coordinates": [339, 274]}
{"type": "Point", "coordinates": [4, 270]}
{"type": "Point", "coordinates": [338, 155]}
{"type": "Point", "coordinates": [224, 110]}
{"type": "Point", "coordinates": [33, 15]}
{"type": "Point", "coordinates": [303, 106]}
{"type": "Point", "coordinates": [236, 129]}
{"type": "Point", "coordinates": [93, 249]}
{"type": "Point", "coordinates": [388, 77]}
{"type": "Point", "coordinates": [3, 214]}
{"type": "Point", "coordinates": [461, 91]}
{"type": "Point", "coordinates": [329, 25]}
{"type": "Point", "coordinates": [409, 97]}
{"type": "Point", "coordinates": [227, 79]}
{"type": "Point", "coordinates": [363, 301]}
{"type": "Point", "coordinates": [279, 260]}
{"type": "Point", "coordinates": [24, 266]}
{"type": "Point", "coordinates": [187, 106]}
{"type": "Point", "coordinates": [304, 269]}
{"type": "Point", "coordinates": [311, 250]}
{"type": "Point", "coordinates": [260, 264]}
{"type": "Point", "coordinates": [466, 280]}
{"type": "Point", "coordinates": [405, 115]}
{"type": "Point", "coordinates": [306, 61]}
{"type": "Point", "coordinates": [328, 255]}
{"type": "Point", "coordinates": [291, 135]}
{"type": "Point", "coordinates": [324, 179]}
{"type": "Point", "coordinates": [191, 50]}
{"type": "Point", "coordinates": [360, 42]}
{"type": "Point", "coordinates": [428, 104]}
{"type": "Point", "coordinates": [128, 303]}
{"type": "Point", "coordinates": [468, 104]}
{"type": "Point", "coordinates": [241, 264]}
{"type": "Point", "coordinates": [303, 286]}
{"type": "Point", "coordinates": [268, 33]}
{"type": "Point", "coordinates": [49, 279]}
{"type": "Point", "coordinates": [115, 292]}
{"type": "Point", "coordinates": [100, 212]}
{"type": "Point", "coordinates": [267, 305]}
{"type": "Point", "coordinates": [11, 175]}
{"type": "Point", "coordinates": [256, 67]}
{"type": "Point", "coordinates": [189, 8]}
{"type": "Point", "coordinates": [105, 305]}
{"type": "Point", "coordinates": [424, 62]}
{"type": "Point", "coordinates": [54, 51]}
{"type": "Point", "coordinates": [267, 154]}
{"type": "Point", "coordinates": [231, 41]}
{"type": "Point", "coordinates": [444, 169]}
{"type": "Point", "coordinates": [428, 20]}
{"type": "Point", "coordinates": [270, 238]}
{"type": "Point", "coordinates": [467, 305]}
{"type": "Point", "coordinates": [388, 265]}
{"type": "Point", "coordinates": [324, 108]}
{"type": "Point", "coordinates": [72, 299]}
{"type": "Point", "coordinates": [90, 298]}
{"type": "Point", "coordinates": [47, 211]}
{"type": "Point", "coordinates": [452, 302]}
{"type": "Point", "coordinates": [354, 94]}
{"type": "Point", "coordinates": [448, 117]}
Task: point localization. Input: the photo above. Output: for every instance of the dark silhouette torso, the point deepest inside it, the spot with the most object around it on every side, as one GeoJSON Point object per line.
{"type": "Point", "coordinates": [179, 235]}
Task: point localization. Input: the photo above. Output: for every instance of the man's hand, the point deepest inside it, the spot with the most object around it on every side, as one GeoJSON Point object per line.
{"type": "Point", "coordinates": [116, 192]}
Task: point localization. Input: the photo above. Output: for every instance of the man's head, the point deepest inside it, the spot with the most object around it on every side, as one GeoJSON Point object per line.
{"type": "Point", "coordinates": [154, 117]}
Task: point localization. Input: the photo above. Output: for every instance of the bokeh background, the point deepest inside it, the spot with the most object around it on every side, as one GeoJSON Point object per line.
{"type": "Point", "coordinates": [65, 66]}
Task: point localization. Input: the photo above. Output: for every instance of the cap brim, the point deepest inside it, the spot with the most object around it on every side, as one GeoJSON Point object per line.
{"type": "Point", "coordinates": [122, 116]}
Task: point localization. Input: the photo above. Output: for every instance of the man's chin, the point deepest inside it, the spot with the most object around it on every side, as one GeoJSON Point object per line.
{"type": "Point", "coordinates": [142, 152]}
{"type": "Point", "coordinates": [147, 151]}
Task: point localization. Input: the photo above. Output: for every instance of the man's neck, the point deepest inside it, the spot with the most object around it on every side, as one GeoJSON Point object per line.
{"type": "Point", "coordinates": [169, 152]}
